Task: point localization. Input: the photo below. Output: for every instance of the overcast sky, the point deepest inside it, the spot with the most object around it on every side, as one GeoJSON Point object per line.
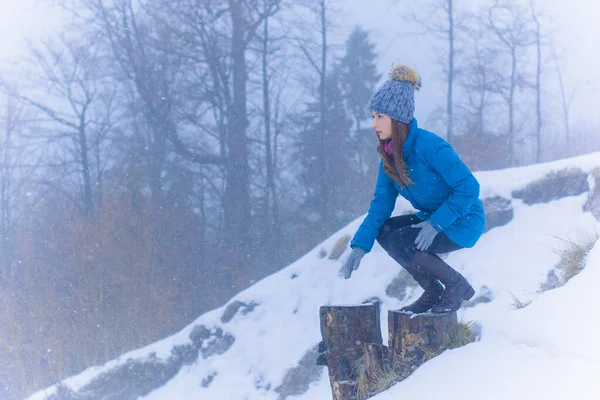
{"type": "Point", "coordinates": [577, 27]}
{"type": "Point", "coordinates": [25, 18]}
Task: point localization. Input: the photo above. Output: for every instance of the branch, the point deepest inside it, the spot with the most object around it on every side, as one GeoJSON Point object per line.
{"type": "Point", "coordinates": [183, 151]}
{"type": "Point", "coordinates": [310, 58]}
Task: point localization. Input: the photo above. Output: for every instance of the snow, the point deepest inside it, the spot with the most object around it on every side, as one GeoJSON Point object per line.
{"type": "Point", "coordinates": [547, 350]}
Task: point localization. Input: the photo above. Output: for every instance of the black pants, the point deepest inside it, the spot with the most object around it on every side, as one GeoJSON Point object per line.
{"type": "Point", "coordinates": [397, 237]}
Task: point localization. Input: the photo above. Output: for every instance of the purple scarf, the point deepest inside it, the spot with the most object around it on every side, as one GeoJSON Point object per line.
{"type": "Point", "coordinates": [388, 147]}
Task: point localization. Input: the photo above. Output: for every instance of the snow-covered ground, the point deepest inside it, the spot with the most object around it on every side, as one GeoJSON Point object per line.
{"type": "Point", "coordinates": [547, 350]}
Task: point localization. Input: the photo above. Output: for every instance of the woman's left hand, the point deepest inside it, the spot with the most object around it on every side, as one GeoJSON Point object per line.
{"type": "Point", "coordinates": [426, 235]}
{"type": "Point", "coordinates": [352, 262]}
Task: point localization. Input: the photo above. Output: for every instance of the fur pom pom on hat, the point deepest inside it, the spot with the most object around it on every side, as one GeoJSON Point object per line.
{"type": "Point", "coordinates": [405, 73]}
{"type": "Point", "coordinates": [396, 97]}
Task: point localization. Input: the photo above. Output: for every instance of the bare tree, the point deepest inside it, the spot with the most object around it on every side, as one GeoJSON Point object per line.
{"type": "Point", "coordinates": [506, 20]}
{"type": "Point", "coordinates": [478, 78]}
{"type": "Point", "coordinates": [150, 73]}
{"type": "Point", "coordinates": [449, 8]}
{"type": "Point", "coordinates": [438, 18]}
{"type": "Point", "coordinates": [65, 86]}
{"type": "Point", "coordinates": [538, 77]}
{"type": "Point", "coordinates": [316, 154]}
{"type": "Point", "coordinates": [271, 232]}
{"type": "Point", "coordinates": [566, 99]}
{"type": "Point", "coordinates": [10, 185]}
{"type": "Point", "coordinates": [217, 37]}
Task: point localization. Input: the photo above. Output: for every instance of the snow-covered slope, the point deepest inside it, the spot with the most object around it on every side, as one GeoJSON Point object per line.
{"type": "Point", "coordinates": [548, 350]}
{"type": "Point", "coordinates": [261, 344]}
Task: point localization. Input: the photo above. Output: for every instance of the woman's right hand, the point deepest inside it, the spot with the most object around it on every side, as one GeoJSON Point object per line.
{"type": "Point", "coordinates": [352, 262]}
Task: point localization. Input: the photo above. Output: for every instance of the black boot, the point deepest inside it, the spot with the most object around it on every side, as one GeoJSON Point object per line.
{"type": "Point", "coordinates": [456, 287]}
{"type": "Point", "coordinates": [453, 296]}
{"type": "Point", "coordinates": [433, 290]}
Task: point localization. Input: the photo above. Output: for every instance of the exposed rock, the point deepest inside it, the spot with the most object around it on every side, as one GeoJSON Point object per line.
{"type": "Point", "coordinates": [498, 212]}
{"type": "Point", "coordinates": [129, 381]}
{"type": "Point", "coordinates": [137, 378]}
{"type": "Point", "coordinates": [553, 281]}
{"type": "Point", "coordinates": [555, 185]}
{"type": "Point", "coordinates": [397, 288]}
{"type": "Point", "coordinates": [199, 334]}
{"type": "Point", "coordinates": [184, 354]}
{"type": "Point", "coordinates": [593, 202]}
{"type": "Point", "coordinates": [339, 247]}
{"type": "Point", "coordinates": [218, 344]}
{"type": "Point", "coordinates": [208, 380]}
{"type": "Point", "coordinates": [260, 384]}
{"type": "Point", "coordinates": [297, 380]}
{"type": "Point", "coordinates": [233, 308]}
{"type": "Point", "coordinates": [484, 295]}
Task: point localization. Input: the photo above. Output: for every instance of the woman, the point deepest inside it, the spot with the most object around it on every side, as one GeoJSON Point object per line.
{"type": "Point", "coordinates": [424, 169]}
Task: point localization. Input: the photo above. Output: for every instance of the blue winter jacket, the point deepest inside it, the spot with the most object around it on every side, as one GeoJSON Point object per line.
{"type": "Point", "coordinates": [444, 191]}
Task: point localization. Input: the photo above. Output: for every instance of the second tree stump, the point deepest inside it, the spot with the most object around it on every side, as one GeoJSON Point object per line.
{"type": "Point", "coordinates": [411, 336]}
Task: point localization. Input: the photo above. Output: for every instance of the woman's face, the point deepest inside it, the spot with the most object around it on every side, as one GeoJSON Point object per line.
{"type": "Point", "coordinates": [382, 125]}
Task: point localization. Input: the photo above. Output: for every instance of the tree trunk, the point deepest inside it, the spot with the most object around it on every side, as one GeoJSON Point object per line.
{"type": "Point", "coordinates": [375, 356]}
{"type": "Point", "coordinates": [99, 177]}
{"type": "Point", "coordinates": [6, 192]}
{"type": "Point", "coordinates": [511, 109]}
{"type": "Point", "coordinates": [277, 229]}
{"type": "Point", "coordinates": [450, 133]}
{"type": "Point", "coordinates": [538, 85]}
{"type": "Point", "coordinates": [156, 162]}
{"type": "Point", "coordinates": [324, 197]}
{"type": "Point", "coordinates": [236, 202]}
{"type": "Point", "coordinates": [565, 102]}
{"type": "Point", "coordinates": [348, 333]}
{"type": "Point", "coordinates": [412, 337]}
{"type": "Point", "coordinates": [88, 201]}
{"type": "Point", "coordinates": [270, 231]}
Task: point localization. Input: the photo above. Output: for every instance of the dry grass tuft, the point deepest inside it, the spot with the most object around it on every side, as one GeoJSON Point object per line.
{"type": "Point", "coordinates": [574, 253]}
{"type": "Point", "coordinates": [461, 337]}
{"type": "Point", "coordinates": [517, 303]}
{"type": "Point", "coordinates": [381, 380]}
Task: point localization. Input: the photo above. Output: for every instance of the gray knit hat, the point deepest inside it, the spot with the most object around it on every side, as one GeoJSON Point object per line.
{"type": "Point", "coordinates": [396, 97]}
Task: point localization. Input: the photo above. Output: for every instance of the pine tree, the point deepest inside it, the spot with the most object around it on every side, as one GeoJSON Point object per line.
{"type": "Point", "coordinates": [358, 81]}
{"type": "Point", "coordinates": [333, 145]}
{"type": "Point", "coordinates": [337, 156]}
{"type": "Point", "coordinates": [358, 76]}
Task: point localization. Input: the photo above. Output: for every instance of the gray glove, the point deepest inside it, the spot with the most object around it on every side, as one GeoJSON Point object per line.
{"type": "Point", "coordinates": [352, 262]}
{"type": "Point", "coordinates": [425, 236]}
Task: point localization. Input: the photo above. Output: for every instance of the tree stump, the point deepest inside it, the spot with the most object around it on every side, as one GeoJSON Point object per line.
{"type": "Point", "coordinates": [376, 356]}
{"type": "Point", "coordinates": [412, 336]}
{"type": "Point", "coordinates": [348, 332]}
